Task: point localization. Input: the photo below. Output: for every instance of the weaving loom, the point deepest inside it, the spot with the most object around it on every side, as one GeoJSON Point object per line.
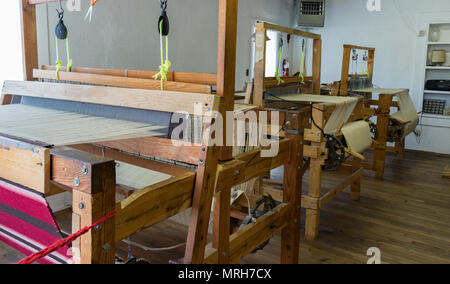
{"type": "Point", "coordinates": [126, 117]}
{"type": "Point", "coordinates": [332, 130]}
{"type": "Point", "coordinates": [389, 127]}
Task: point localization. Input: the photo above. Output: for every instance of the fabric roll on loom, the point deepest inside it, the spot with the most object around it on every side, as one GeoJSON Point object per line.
{"type": "Point", "coordinates": [357, 134]}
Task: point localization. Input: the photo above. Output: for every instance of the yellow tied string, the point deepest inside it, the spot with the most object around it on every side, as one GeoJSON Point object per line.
{"type": "Point", "coordinates": [69, 61]}
{"type": "Point", "coordinates": [165, 65]}
{"type": "Point", "coordinates": [302, 63]}
{"type": "Point", "coordinates": [277, 73]}
{"type": "Point", "coordinates": [58, 62]}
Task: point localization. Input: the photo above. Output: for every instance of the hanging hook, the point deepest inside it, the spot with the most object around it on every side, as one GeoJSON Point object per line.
{"type": "Point", "coordinates": [60, 13]}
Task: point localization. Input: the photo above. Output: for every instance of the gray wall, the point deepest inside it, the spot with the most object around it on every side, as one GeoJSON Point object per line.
{"type": "Point", "coordinates": [123, 34]}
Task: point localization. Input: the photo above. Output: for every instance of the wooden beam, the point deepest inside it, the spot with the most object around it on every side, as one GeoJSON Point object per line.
{"type": "Point", "coordinates": [349, 46]}
{"type": "Point", "coordinates": [185, 77]}
{"type": "Point", "coordinates": [5, 99]}
{"type": "Point", "coordinates": [25, 164]}
{"type": "Point", "coordinates": [74, 169]}
{"type": "Point", "coordinates": [250, 165]}
{"type": "Point", "coordinates": [285, 30]}
{"type": "Point", "coordinates": [36, 2]}
{"type": "Point", "coordinates": [154, 204]}
{"type": "Point", "coordinates": [317, 65]}
{"type": "Point", "coordinates": [345, 71]}
{"type": "Point", "coordinates": [120, 97]}
{"type": "Point", "coordinates": [260, 64]}
{"type": "Point", "coordinates": [157, 147]}
{"type": "Point", "coordinates": [29, 39]}
{"type": "Point", "coordinates": [246, 240]}
{"type": "Point", "coordinates": [292, 192]}
{"type": "Point", "coordinates": [226, 64]}
{"type": "Point", "coordinates": [221, 225]}
{"type": "Point", "coordinates": [383, 119]}
{"type": "Point", "coordinates": [272, 82]}
{"type": "Point", "coordinates": [315, 173]}
{"type": "Point", "coordinates": [123, 82]}
{"type": "Point", "coordinates": [334, 192]}
{"type": "Point", "coordinates": [132, 159]}
{"type": "Point", "coordinates": [93, 181]}
{"type": "Point", "coordinates": [202, 200]}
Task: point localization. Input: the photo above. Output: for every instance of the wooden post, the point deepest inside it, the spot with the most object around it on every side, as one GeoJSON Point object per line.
{"type": "Point", "coordinates": [6, 100]}
{"type": "Point", "coordinates": [201, 204]}
{"type": "Point", "coordinates": [260, 64]}
{"type": "Point", "coordinates": [293, 177]}
{"type": "Point", "coordinates": [383, 114]}
{"type": "Point", "coordinates": [317, 65]}
{"type": "Point", "coordinates": [315, 175]}
{"type": "Point", "coordinates": [345, 71]}
{"type": "Point", "coordinates": [93, 181]}
{"type": "Point", "coordinates": [29, 39]}
{"type": "Point", "coordinates": [355, 189]}
{"type": "Point", "coordinates": [371, 63]}
{"type": "Point", "coordinates": [226, 71]}
{"type": "Point", "coordinates": [400, 149]}
{"type": "Point", "coordinates": [226, 64]}
{"type": "Point", "coordinates": [221, 223]}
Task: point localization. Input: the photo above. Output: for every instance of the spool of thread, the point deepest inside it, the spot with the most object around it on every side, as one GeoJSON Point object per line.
{"type": "Point", "coordinates": [438, 57]}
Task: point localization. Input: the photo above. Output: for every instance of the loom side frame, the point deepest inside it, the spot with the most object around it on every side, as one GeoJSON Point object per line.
{"type": "Point", "coordinates": [310, 133]}
{"type": "Point", "coordinates": [98, 245]}
{"type": "Point", "coordinates": [382, 111]}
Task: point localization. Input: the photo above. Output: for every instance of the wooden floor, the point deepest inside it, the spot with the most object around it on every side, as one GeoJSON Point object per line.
{"type": "Point", "coordinates": [406, 216]}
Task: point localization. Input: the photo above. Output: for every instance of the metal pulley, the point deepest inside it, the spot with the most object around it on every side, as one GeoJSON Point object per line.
{"type": "Point", "coordinates": [336, 153]}
{"type": "Point", "coordinates": [61, 29]}
{"type": "Point", "coordinates": [268, 204]}
{"type": "Point", "coordinates": [163, 28]}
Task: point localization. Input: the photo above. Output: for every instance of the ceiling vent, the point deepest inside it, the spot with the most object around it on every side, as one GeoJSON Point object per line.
{"type": "Point", "coordinates": [311, 13]}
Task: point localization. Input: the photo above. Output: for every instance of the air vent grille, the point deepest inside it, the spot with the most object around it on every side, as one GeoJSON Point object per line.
{"type": "Point", "coordinates": [311, 13]}
{"type": "Point", "coordinates": [310, 8]}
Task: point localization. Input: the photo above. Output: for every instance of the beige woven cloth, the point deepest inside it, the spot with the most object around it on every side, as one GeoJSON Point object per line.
{"type": "Point", "coordinates": [62, 128]}
{"type": "Point", "coordinates": [407, 114]}
{"type": "Point", "coordinates": [357, 134]}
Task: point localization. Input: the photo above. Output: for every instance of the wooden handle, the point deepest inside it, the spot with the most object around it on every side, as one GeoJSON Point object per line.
{"type": "Point", "coordinates": [355, 154]}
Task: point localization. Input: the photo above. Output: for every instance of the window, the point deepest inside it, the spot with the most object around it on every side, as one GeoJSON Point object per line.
{"type": "Point", "coordinates": [271, 53]}
{"type": "Point", "coordinates": [11, 51]}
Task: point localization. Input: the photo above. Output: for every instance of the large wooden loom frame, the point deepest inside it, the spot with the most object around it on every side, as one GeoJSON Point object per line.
{"type": "Point", "coordinates": [310, 133]}
{"type": "Point", "coordinates": [60, 167]}
{"type": "Point", "coordinates": [382, 111]}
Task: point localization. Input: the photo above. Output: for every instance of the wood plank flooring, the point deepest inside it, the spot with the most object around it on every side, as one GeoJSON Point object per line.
{"type": "Point", "coordinates": [406, 216]}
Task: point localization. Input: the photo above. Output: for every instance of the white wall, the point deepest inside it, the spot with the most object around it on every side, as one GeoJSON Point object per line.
{"type": "Point", "coordinates": [11, 47]}
{"type": "Point", "coordinates": [123, 34]}
{"type": "Point", "coordinates": [395, 35]}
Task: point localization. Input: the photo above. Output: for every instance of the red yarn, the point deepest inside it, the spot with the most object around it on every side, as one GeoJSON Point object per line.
{"type": "Point", "coordinates": [61, 243]}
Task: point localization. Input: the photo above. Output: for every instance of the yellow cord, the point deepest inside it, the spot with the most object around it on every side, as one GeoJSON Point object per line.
{"type": "Point", "coordinates": [277, 73]}
{"type": "Point", "coordinates": [69, 61]}
{"type": "Point", "coordinates": [58, 62]}
{"type": "Point", "coordinates": [165, 65]}
{"type": "Point", "coordinates": [302, 64]}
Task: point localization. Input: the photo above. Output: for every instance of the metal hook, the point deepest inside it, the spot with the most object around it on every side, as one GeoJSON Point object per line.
{"type": "Point", "coordinates": [163, 5]}
{"type": "Point", "coordinates": [60, 13]}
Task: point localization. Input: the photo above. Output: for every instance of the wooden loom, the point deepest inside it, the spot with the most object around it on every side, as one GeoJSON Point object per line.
{"type": "Point", "coordinates": [91, 178]}
{"type": "Point", "coordinates": [383, 105]}
{"type": "Point", "coordinates": [313, 142]}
